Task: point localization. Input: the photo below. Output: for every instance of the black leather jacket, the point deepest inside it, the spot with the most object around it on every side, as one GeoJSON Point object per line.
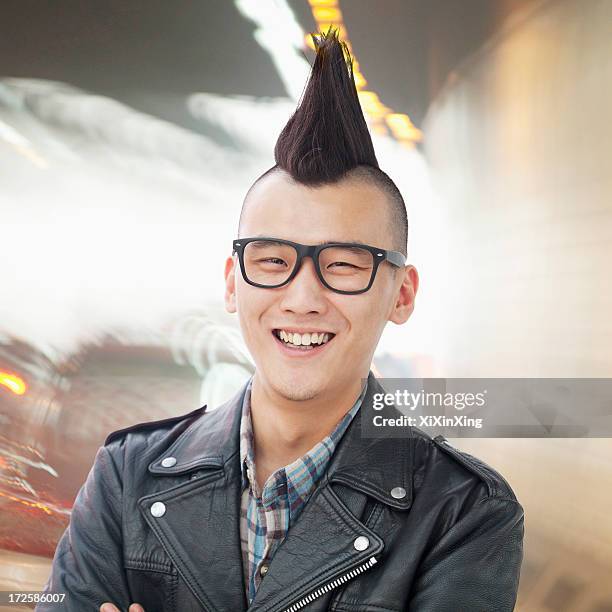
{"type": "Point", "coordinates": [452, 542]}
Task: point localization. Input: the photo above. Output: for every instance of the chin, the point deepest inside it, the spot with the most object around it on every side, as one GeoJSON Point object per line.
{"type": "Point", "coordinates": [295, 388]}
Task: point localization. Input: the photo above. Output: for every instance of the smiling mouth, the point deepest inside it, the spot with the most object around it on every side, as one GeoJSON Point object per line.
{"type": "Point", "coordinates": [304, 342]}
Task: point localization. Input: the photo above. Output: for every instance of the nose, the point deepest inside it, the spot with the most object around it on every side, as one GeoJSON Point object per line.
{"type": "Point", "coordinates": [304, 294]}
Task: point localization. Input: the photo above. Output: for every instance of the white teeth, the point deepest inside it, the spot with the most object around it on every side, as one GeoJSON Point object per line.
{"type": "Point", "coordinates": [306, 339]}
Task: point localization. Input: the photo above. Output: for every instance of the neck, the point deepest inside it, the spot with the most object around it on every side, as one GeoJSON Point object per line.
{"type": "Point", "coordinates": [285, 429]}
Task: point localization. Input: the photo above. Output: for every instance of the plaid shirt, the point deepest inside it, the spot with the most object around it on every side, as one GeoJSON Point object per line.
{"type": "Point", "coordinates": [266, 516]}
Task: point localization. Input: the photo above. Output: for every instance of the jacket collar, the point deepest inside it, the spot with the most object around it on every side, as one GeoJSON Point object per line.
{"type": "Point", "coordinates": [373, 466]}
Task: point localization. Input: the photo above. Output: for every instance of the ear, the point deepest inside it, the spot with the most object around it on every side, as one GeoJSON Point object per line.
{"type": "Point", "coordinates": [230, 284]}
{"type": "Point", "coordinates": [404, 303]}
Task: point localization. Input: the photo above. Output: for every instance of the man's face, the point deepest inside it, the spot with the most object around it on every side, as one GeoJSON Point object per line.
{"type": "Point", "coordinates": [349, 211]}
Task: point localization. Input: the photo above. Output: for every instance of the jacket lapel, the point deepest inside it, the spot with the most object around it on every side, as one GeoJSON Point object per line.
{"type": "Point", "coordinates": [200, 527]}
{"type": "Point", "coordinates": [318, 549]}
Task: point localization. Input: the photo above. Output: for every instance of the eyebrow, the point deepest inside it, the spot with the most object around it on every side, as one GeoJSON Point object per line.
{"type": "Point", "coordinates": [322, 243]}
{"type": "Point", "coordinates": [256, 245]}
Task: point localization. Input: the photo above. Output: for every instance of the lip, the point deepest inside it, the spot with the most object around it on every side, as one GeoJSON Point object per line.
{"type": "Point", "coordinates": [304, 330]}
{"type": "Point", "coordinates": [298, 353]}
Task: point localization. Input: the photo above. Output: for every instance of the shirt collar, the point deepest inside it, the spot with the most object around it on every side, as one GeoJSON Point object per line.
{"type": "Point", "coordinates": [301, 475]}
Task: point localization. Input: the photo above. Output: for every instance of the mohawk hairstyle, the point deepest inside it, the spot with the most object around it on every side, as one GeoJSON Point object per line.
{"type": "Point", "coordinates": [327, 137]}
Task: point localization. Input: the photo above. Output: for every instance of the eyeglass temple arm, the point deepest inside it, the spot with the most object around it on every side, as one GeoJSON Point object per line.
{"type": "Point", "coordinates": [396, 258]}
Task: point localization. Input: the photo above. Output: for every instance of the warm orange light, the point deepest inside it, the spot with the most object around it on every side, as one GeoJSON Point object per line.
{"type": "Point", "coordinates": [379, 128]}
{"type": "Point", "coordinates": [372, 105]}
{"type": "Point", "coordinates": [12, 383]}
{"type": "Point", "coordinates": [403, 128]}
{"type": "Point", "coordinates": [327, 13]}
{"type": "Point", "coordinates": [360, 81]}
{"type": "Point", "coordinates": [35, 505]}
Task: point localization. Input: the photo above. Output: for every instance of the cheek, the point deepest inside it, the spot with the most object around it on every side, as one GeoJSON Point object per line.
{"type": "Point", "coordinates": [251, 304]}
{"type": "Point", "coordinates": [246, 295]}
{"type": "Point", "coordinates": [365, 317]}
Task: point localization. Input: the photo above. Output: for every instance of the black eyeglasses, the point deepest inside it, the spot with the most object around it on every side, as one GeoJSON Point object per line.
{"type": "Point", "coordinates": [343, 267]}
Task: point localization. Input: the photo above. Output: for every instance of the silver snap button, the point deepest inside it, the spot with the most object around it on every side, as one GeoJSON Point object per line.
{"type": "Point", "coordinates": [193, 476]}
{"type": "Point", "coordinates": [158, 509]}
{"type": "Point", "coordinates": [168, 462]}
{"type": "Point", "coordinates": [398, 492]}
{"type": "Point", "coordinates": [361, 543]}
{"type": "Point", "coordinates": [263, 570]}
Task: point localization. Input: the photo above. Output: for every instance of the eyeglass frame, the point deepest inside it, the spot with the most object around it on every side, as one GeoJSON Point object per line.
{"type": "Point", "coordinates": [395, 258]}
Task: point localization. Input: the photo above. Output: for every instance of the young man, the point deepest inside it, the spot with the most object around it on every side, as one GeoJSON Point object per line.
{"type": "Point", "coordinates": [275, 501]}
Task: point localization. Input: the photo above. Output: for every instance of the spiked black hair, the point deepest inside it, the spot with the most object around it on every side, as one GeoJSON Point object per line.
{"type": "Point", "coordinates": [327, 138]}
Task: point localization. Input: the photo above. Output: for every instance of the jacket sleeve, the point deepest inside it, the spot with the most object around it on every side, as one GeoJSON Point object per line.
{"type": "Point", "coordinates": [475, 566]}
{"type": "Point", "coordinates": [88, 561]}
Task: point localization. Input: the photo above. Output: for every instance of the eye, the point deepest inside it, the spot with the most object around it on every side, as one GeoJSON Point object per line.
{"type": "Point", "coordinates": [342, 264]}
{"type": "Point", "coordinates": [274, 261]}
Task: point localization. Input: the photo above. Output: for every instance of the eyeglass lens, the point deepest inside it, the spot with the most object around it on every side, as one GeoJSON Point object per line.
{"type": "Point", "coordinates": [271, 263]}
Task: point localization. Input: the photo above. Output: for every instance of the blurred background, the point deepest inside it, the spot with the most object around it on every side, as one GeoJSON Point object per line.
{"type": "Point", "coordinates": [130, 132]}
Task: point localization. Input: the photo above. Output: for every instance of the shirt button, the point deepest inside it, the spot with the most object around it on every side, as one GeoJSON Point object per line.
{"type": "Point", "coordinates": [158, 509]}
{"type": "Point", "coordinates": [398, 492]}
{"type": "Point", "coordinates": [361, 543]}
{"type": "Point", "coordinates": [263, 570]}
{"type": "Point", "coordinates": [168, 462]}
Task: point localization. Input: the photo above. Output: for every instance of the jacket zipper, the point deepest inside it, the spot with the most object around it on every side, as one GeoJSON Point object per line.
{"type": "Point", "coordinates": [331, 585]}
